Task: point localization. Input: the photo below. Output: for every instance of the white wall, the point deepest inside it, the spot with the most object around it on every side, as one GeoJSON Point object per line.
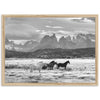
{"type": "Point", "coordinates": [49, 92]}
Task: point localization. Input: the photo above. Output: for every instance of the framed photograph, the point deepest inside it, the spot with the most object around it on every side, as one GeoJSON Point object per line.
{"type": "Point", "coordinates": [49, 50]}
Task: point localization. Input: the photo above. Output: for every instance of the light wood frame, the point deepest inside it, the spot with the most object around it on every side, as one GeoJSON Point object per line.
{"type": "Point", "coordinates": [50, 84]}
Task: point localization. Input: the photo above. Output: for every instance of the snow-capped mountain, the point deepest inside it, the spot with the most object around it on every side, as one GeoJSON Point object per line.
{"type": "Point", "coordinates": [50, 42]}
{"type": "Point", "coordinates": [25, 46]}
{"type": "Point", "coordinates": [9, 44]}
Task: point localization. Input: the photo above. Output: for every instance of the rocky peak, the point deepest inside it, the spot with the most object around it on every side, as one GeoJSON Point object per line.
{"type": "Point", "coordinates": [53, 36]}
{"type": "Point", "coordinates": [68, 38]}
{"type": "Point", "coordinates": [62, 39]}
{"type": "Point", "coordinates": [45, 38]}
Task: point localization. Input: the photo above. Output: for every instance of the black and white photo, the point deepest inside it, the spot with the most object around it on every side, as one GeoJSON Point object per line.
{"type": "Point", "coordinates": [50, 49]}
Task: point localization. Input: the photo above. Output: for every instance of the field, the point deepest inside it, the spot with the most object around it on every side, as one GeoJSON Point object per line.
{"type": "Point", "coordinates": [18, 70]}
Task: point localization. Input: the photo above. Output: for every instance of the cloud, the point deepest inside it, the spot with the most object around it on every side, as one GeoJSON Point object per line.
{"type": "Point", "coordinates": [36, 28]}
{"type": "Point", "coordinates": [84, 20]}
{"type": "Point", "coordinates": [79, 19]}
{"type": "Point", "coordinates": [53, 26]}
{"type": "Point", "coordinates": [92, 19]}
{"type": "Point", "coordinates": [21, 31]}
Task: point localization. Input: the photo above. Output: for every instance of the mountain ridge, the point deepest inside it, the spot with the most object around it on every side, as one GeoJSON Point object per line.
{"type": "Point", "coordinates": [51, 42]}
{"type": "Point", "coordinates": [52, 53]}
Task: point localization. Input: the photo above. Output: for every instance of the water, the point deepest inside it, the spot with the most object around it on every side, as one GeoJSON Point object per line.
{"type": "Point", "coordinates": [82, 71]}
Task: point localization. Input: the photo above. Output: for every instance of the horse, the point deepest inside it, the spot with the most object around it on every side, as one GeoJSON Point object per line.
{"type": "Point", "coordinates": [37, 66]}
{"type": "Point", "coordinates": [44, 67]}
{"type": "Point", "coordinates": [63, 64]}
{"type": "Point", "coordinates": [51, 65]}
{"type": "Point", "coordinates": [26, 68]}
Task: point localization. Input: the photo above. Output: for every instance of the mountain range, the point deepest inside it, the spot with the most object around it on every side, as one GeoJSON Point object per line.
{"type": "Point", "coordinates": [50, 42]}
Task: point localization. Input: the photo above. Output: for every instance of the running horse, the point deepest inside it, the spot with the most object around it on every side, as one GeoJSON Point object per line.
{"type": "Point", "coordinates": [63, 64]}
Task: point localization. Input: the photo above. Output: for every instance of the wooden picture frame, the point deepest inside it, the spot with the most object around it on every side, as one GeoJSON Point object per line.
{"type": "Point", "coordinates": [50, 84]}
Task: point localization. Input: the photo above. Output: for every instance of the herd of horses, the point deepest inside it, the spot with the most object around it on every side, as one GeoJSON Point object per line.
{"type": "Point", "coordinates": [52, 63]}
{"type": "Point", "coordinates": [48, 66]}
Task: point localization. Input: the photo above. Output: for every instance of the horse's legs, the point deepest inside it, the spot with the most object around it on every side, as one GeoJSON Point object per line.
{"type": "Point", "coordinates": [58, 67]}
{"type": "Point", "coordinates": [65, 67]}
{"type": "Point", "coordinates": [52, 68]}
{"type": "Point", "coordinates": [39, 70]}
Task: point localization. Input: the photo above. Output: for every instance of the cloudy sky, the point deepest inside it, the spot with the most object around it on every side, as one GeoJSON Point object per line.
{"type": "Point", "coordinates": [35, 28]}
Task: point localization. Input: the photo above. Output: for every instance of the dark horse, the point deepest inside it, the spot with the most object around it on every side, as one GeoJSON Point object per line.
{"type": "Point", "coordinates": [63, 64]}
{"type": "Point", "coordinates": [49, 66]}
{"type": "Point", "coordinates": [45, 66]}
